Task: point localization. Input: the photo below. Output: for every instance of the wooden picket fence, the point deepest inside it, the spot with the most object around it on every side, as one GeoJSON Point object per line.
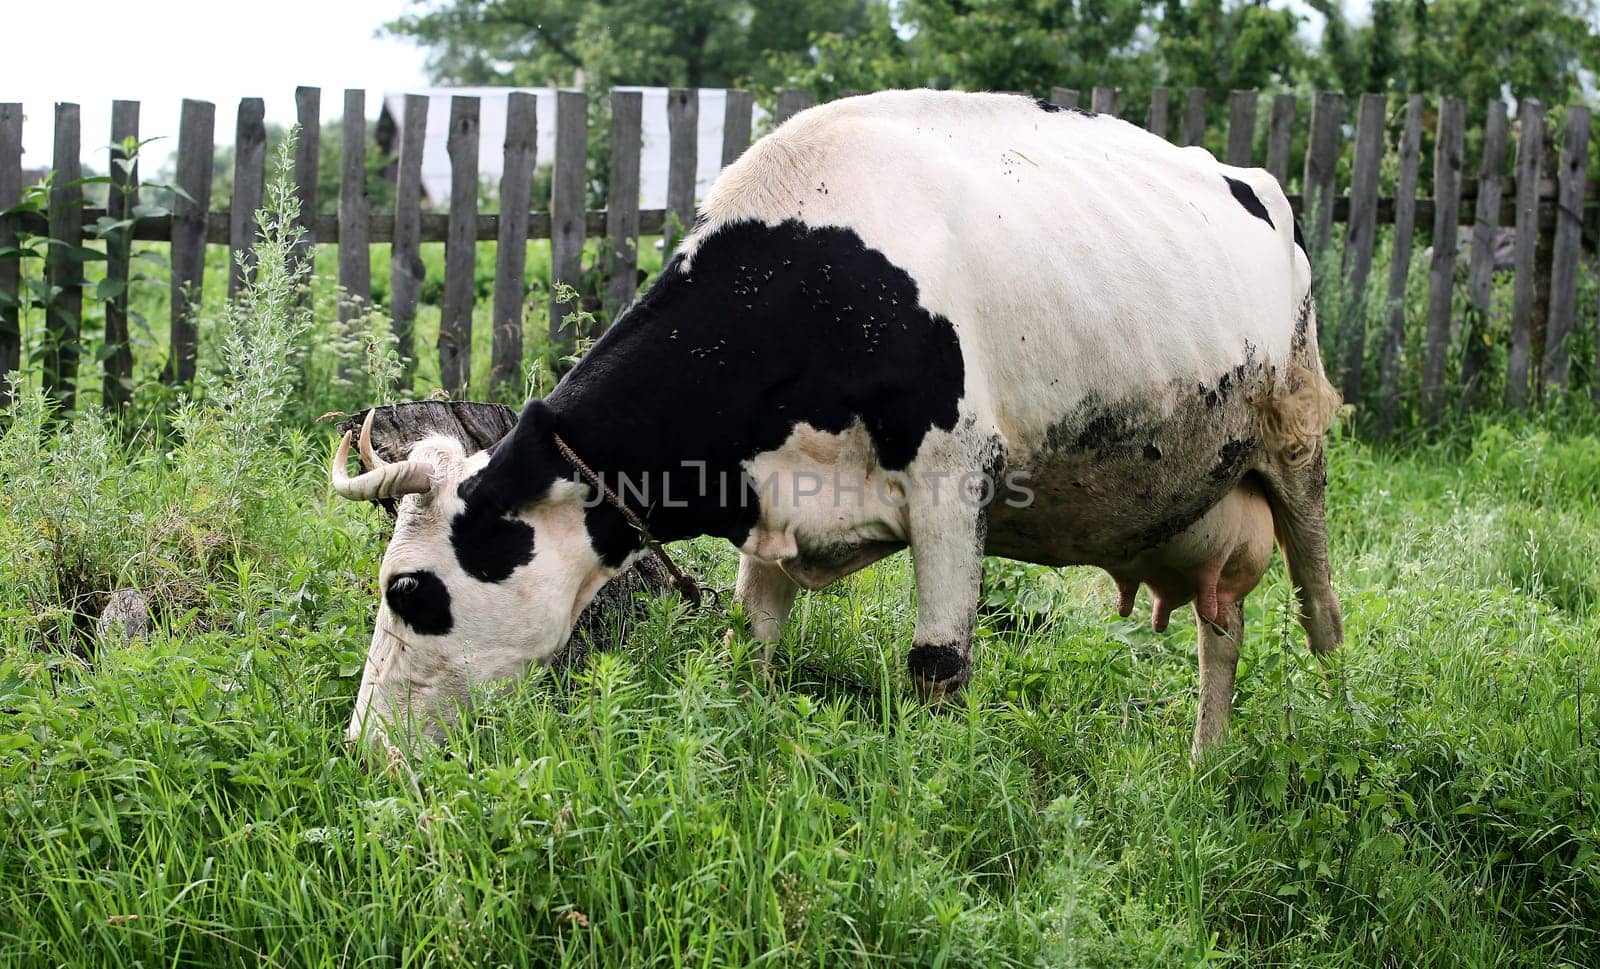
{"type": "Point", "coordinates": [1546, 202]}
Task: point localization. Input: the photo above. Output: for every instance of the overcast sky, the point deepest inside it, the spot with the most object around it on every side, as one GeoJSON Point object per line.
{"type": "Point", "coordinates": [213, 50]}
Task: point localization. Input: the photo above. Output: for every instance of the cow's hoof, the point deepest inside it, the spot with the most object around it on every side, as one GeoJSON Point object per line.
{"type": "Point", "coordinates": [938, 671]}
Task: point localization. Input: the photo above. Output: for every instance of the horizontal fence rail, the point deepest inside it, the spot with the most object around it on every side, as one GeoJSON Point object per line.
{"type": "Point", "coordinates": [1549, 200]}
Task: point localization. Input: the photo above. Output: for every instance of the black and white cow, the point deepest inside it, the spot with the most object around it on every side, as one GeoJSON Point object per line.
{"type": "Point", "coordinates": [963, 324]}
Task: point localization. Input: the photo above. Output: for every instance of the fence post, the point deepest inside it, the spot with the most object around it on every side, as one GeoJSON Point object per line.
{"type": "Point", "coordinates": [1530, 148]}
{"type": "Point", "coordinates": [1322, 164]}
{"type": "Point", "coordinates": [1155, 120]}
{"type": "Point", "coordinates": [249, 176]}
{"type": "Point", "coordinates": [117, 378]}
{"type": "Point", "coordinates": [64, 263]}
{"type": "Point", "coordinates": [1065, 96]}
{"type": "Point", "coordinates": [10, 269]}
{"type": "Point", "coordinates": [460, 247]}
{"type": "Point", "coordinates": [1360, 236]}
{"type": "Point", "coordinates": [1103, 100]}
{"type": "Point", "coordinates": [683, 139]}
{"type": "Point", "coordinates": [355, 254]}
{"type": "Point", "coordinates": [511, 250]}
{"type": "Point", "coordinates": [790, 103]}
{"type": "Point", "coordinates": [1405, 219]}
{"type": "Point", "coordinates": [1567, 247]}
{"type": "Point", "coordinates": [1480, 273]}
{"type": "Point", "coordinates": [622, 205]}
{"type": "Point", "coordinates": [735, 125]}
{"type": "Point", "coordinates": [196, 129]}
{"type": "Point", "coordinates": [307, 146]}
{"type": "Point", "coordinates": [1241, 128]}
{"type": "Point", "coordinates": [1279, 137]}
{"type": "Point", "coordinates": [568, 182]}
{"type": "Point", "coordinates": [406, 270]}
{"type": "Point", "coordinates": [1447, 161]}
{"type": "Point", "coordinates": [1192, 130]}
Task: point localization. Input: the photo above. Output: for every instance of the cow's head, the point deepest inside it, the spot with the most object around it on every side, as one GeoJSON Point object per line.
{"type": "Point", "coordinates": [490, 565]}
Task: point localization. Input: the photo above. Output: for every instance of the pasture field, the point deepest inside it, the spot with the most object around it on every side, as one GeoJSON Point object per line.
{"type": "Point", "coordinates": [184, 799]}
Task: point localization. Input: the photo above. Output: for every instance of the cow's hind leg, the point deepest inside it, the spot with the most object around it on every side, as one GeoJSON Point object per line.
{"type": "Point", "coordinates": [1295, 493]}
{"type": "Point", "coordinates": [1219, 661]}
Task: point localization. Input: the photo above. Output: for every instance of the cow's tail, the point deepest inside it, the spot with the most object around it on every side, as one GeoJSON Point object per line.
{"type": "Point", "coordinates": [1297, 404]}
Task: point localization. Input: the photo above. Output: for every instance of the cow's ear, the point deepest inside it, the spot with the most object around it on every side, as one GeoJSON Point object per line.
{"type": "Point", "coordinates": [522, 465]}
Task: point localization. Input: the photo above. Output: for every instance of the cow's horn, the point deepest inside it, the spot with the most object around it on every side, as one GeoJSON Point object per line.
{"type": "Point", "coordinates": [384, 480]}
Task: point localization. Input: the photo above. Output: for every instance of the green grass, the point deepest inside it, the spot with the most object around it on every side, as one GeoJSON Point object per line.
{"type": "Point", "coordinates": [184, 799]}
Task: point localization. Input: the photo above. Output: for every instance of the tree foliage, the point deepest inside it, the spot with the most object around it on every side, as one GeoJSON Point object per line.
{"type": "Point", "coordinates": [694, 43]}
{"type": "Point", "coordinates": [1475, 49]}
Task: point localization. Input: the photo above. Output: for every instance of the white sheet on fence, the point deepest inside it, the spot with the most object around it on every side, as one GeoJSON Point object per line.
{"type": "Point", "coordinates": [492, 137]}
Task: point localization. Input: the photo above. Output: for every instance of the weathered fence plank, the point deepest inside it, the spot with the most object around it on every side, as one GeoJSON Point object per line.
{"type": "Point", "coordinates": [622, 207]}
{"type": "Point", "coordinates": [1480, 271]}
{"type": "Point", "coordinates": [1568, 245]}
{"type": "Point", "coordinates": [1242, 128]}
{"type": "Point", "coordinates": [249, 180]}
{"type": "Point", "coordinates": [1321, 167]}
{"type": "Point", "coordinates": [1362, 230]}
{"type": "Point", "coordinates": [1103, 100]}
{"type": "Point", "coordinates": [1447, 162]}
{"type": "Point", "coordinates": [196, 131]}
{"type": "Point", "coordinates": [511, 249]}
{"type": "Point", "coordinates": [1530, 150]}
{"type": "Point", "coordinates": [1405, 214]}
{"type": "Point", "coordinates": [790, 103]}
{"type": "Point", "coordinates": [63, 263]}
{"type": "Point", "coordinates": [1279, 136]}
{"type": "Point", "coordinates": [406, 270]}
{"type": "Point", "coordinates": [1065, 96]}
{"type": "Point", "coordinates": [10, 269]}
{"type": "Point", "coordinates": [355, 258]}
{"type": "Point", "coordinates": [1192, 129]}
{"type": "Point", "coordinates": [117, 377]}
{"type": "Point", "coordinates": [460, 248]}
{"type": "Point", "coordinates": [1155, 119]}
{"type": "Point", "coordinates": [567, 222]}
{"type": "Point", "coordinates": [307, 149]}
{"type": "Point", "coordinates": [683, 140]}
{"type": "Point", "coordinates": [736, 117]}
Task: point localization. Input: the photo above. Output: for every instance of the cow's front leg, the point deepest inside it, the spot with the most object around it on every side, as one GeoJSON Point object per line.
{"type": "Point", "coordinates": [947, 556]}
{"type": "Point", "coordinates": [766, 594]}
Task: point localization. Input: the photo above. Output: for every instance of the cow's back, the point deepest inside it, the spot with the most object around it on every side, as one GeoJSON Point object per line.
{"type": "Point", "coordinates": [1080, 257]}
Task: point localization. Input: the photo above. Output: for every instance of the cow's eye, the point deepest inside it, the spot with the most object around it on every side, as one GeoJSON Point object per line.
{"type": "Point", "coordinates": [421, 601]}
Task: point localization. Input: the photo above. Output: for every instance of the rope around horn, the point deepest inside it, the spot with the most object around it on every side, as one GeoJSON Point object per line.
{"type": "Point", "coordinates": [691, 591]}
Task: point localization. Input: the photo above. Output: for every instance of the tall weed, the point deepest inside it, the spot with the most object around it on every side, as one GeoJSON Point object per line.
{"type": "Point", "coordinates": [85, 513]}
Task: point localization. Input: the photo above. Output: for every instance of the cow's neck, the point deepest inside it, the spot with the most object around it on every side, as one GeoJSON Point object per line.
{"type": "Point", "coordinates": [649, 430]}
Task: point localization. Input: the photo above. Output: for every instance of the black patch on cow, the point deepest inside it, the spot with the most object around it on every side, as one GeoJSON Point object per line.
{"type": "Point", "coordinates": [489, 545]}
{"type": "Point", "coordinates": [421, 601]}
{"type": "Point", "coordinates": [1300, 239]}
{"type": "Point", "coordinates": [1247, 197]}
{"type": "Point", "coordinates": [936, 662]}
{"type": "Point", "coordinates": [1054, 108]}
{"type": "Point", "coordinates": [768, 327]}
